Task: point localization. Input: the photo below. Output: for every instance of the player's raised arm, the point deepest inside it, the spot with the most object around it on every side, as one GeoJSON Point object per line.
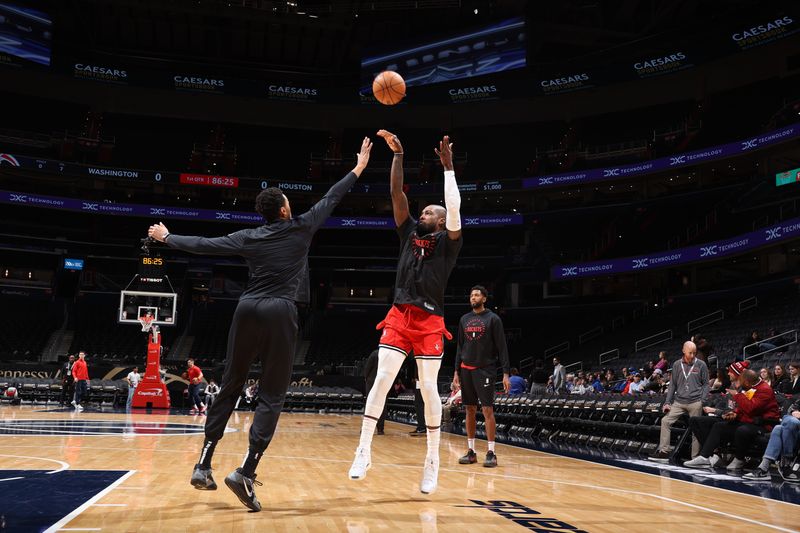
{"type": "Point", "coordinates": [452, 196]}
{"type": "Point", "coordinates": [321, 210]}
{"type": "Point", "coordinates": [399, 199]}
{"type": "Point", "coordinates": [232, 244]}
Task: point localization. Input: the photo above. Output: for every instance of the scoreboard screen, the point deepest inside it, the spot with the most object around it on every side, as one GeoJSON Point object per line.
{"type": "Point", "coordinates": [151, 268]}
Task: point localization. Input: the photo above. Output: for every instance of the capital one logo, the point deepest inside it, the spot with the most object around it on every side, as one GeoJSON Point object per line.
{"type": "Point", "coordinates": [545, 181]}
{"type": "Point", "coordinates": [706, 251]}
{"type": "Point", "coordinates": [679, 160]}
{"type": "Point", "coordinates": [472, 221]}
{"type": "Point", "coordinates": [10, 159]}
{"type": "Point", "coordinates": [90, 207]}
{"type": "Point", "coordinates": [157, 211]}
{"type": "Point", "coordinates": [774, 233]}
{"type": "Point", "coordinates": [640, 263]}
{"type": "Point", "coordinates": [569, 271]}
{"type": "Point", "coordinates": [19, 198]}
{"type": "Point", "coordinates": [223, 216]}
{"type": "Point", "coordinates": [610, 172]}
{"type": "Point", "coordinates": [348, 222]}
{"type": "Point", "coordinates": [752, 143]}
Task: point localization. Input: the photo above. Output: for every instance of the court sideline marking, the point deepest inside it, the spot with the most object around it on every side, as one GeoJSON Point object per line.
{"type": "Point", "coordinates": [74, 514]}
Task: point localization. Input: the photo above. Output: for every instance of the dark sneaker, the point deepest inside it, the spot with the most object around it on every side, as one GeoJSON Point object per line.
{"type": "Point", "coordinates": [660, 456]}
{"type": "Point", "coordinates": [491, 460]}
{"type": "Point", "coordinates": [201, 478]}
{"type": "Point", "coordinates": [242, 486]}
{"type": "Point", "coordinates": [379, 432]}
{"type": "Point", "coordinates": [757, 475]}
{"type": "Point", "coordinates": [417, 432]}
{"type": "Point", "coordinates": [470, 458]}
{"type": "Point", "coordinates": [791, 473]}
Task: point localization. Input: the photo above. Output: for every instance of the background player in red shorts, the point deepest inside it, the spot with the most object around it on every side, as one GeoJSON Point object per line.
{"type": "Point", "coordinates": [428, 253]}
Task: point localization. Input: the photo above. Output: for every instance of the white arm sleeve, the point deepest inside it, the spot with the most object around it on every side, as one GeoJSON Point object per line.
{"type": "Point", "coordinates": [452, 201]}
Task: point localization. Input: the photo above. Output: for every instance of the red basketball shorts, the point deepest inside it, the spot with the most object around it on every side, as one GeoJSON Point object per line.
{"type": "Point", "coordinates": [408, 328]}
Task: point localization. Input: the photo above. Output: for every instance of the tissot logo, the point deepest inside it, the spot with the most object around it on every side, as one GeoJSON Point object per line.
{"type": "Point", "coordinates": [19, 198]}
{"type": "Point", "coordinates": [223, 216]}
{"type": "Point", "coordinates": [641, 263]}
{"type": "Point", "coordinates": [90, 207]}
{"type": "Point", "coordinates": [707, 251]}
{"type": "Point", "coordinates": [545, 181]}
{"type": "Point", "coordinates": [774, 233]}
{"type": "Point", "coordinates": [678, 160]}
{"type": "Point", "coordinates": [569, 271]}
{"type": "Point", "coordinates": [752, 143]}
{"type": "Point", "coordinates": [610, 172]}
{"type": "Point", "coordinates": [472, 221]}
{"type": "Point", "coordinates": [348, 222]}
{"type": "Point", "coordinates": [158, 211]}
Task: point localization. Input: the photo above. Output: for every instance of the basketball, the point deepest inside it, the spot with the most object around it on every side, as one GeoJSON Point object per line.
{"type": "Point", "coordinates": [389, 87]}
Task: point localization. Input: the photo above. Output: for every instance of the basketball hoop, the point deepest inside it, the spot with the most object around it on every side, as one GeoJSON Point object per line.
{"type": "Point", "coordinates": [146, 322]}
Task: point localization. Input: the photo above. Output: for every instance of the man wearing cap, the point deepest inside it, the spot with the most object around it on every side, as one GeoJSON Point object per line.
{"type": "Point", "coordinates": [755, 413]}
{"type": "Point", "coordinates": [687, 389]}
{"type": "Point", "coordinates": [782, 447]}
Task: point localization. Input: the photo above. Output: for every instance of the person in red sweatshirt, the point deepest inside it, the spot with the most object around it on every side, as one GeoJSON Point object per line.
{"type": "Point", "coordinates": [755, 413]}
{"type": "Point", "coordinates": [81, 374]}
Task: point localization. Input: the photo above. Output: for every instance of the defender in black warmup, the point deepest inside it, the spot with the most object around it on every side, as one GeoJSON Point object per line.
{"type": "Point", "coordinates": [264, 324]}
{"type": "Point", "coordinates": [481, 345]}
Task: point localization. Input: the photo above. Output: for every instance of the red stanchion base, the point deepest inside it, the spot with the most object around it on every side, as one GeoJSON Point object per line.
{"type": "Point", "coordinates": [151, 391]}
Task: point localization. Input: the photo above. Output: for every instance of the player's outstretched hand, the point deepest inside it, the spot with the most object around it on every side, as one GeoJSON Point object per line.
{"type": "Point", "coordinates": [445, 152]}
{"type": "Point", "coordinates": [362, 157]}
{"type": "Point", "coordinates": [392, 140]}
{"type": "Point", "coordinates": [158, 232]}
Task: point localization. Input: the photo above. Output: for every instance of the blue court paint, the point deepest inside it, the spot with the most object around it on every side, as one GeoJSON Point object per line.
{"type": "Point", "coordinates": [38, 500]}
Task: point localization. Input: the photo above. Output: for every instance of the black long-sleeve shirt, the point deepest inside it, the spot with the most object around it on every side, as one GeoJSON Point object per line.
{"type": "Point", "coordinates": [482, 341]}
{"type": "Point", "coordinates": [277, 252]}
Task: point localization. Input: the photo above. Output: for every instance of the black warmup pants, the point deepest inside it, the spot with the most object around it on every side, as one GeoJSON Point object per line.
{"type": "Point", "coordinates": [263, 329]}
{"type": "Point", "coordinates": [67, 390]}
{"type": "Point", "coordinates": [713, 432]}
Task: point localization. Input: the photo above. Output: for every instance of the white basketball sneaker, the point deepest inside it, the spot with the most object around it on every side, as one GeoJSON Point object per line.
{"type": "Point", "coordinates": [361, 464]}
{"type": "Point", "coordinates": [430, 475]}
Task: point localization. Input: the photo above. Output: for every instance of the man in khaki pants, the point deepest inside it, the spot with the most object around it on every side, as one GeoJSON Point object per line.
{"type": "Point", "coordinates": [685, 394]}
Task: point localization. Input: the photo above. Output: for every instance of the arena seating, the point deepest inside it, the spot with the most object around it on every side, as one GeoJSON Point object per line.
{"type": "Point", "coordinates": [26, 326]}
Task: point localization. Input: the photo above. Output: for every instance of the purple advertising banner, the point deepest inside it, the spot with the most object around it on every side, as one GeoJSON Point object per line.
{"type": "Point", "coordinates": [775, 234]}
{"type": "Point", "coordinates": [666, 163]}
{"type": "Point", "coordinates": [185, 213]}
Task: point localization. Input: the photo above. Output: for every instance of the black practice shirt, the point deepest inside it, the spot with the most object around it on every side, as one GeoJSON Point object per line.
{"type": "Point", "coordinates": [482, 341]}
{"type": "Point", "coordinates": [424, 265]}
{"type": "Point", "coordinates": [277, 252]}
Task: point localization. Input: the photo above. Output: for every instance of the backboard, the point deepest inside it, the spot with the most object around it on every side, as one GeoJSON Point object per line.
{"type": "Point", "coordinates": [162, 306]}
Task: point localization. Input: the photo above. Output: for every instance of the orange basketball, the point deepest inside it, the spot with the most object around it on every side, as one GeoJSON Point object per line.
{"type": "Point", "coordinates": [389, 87]}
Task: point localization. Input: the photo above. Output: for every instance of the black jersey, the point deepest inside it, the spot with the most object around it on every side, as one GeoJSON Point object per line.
{"type": "Point", "coordinates": [277, 252]}
{"type": "Point", "coordinates": [424, 265]}
{"type": "Point", "coordinates": [482, 341]}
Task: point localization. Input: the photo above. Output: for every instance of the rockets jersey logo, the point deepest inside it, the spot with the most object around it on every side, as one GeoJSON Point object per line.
{"type": "Point", "coordinates": [423, 247]}
{"type": "Point", "coordinates": [474, 329]}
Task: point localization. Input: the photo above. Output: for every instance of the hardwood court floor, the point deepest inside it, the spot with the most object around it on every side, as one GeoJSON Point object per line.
{"type": "Point", "coordinates": [306, 486]}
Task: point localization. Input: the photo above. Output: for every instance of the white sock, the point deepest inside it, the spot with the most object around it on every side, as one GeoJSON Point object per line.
{"type": "Point", "coordinates": [367, 430]}
{"type": "Point", "coordinates": [764, 465]}
{"type": "Point", "coordinates": [433, 442]}
{"type": "Point", "coordinates": [471, 444]}
{"type": "Point", "coordinates": [491, 446]}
